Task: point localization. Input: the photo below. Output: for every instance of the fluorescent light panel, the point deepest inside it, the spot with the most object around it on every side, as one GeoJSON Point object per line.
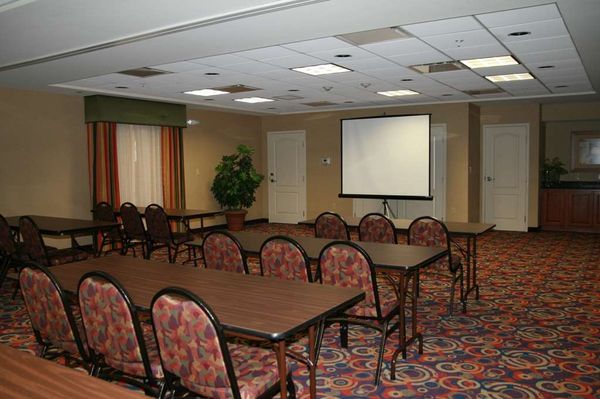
{"type": "Point", "coordinates": [397, 93]}
{"type": "Point", "coordinates": [490, 62]}
{"type": "Point", "coordinates": [206, 92]}
{"type": "Point", "coordinates": [509, 78]}
{"type": "Point", "coordinates": [323, 69]}
{"type": "Point", "coordinates": [253, 100]}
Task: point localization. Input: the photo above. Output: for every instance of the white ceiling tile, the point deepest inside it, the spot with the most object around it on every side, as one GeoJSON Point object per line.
{"type": "Point", "coordinates": [467, 53]}
{"type": "Point", "coordinates": [519, 16]}
{"type": "Point", "coordinates": [537, 29]}
{"type": "Point", "coordinates": [563, 79]}
{"type": "Point", "coordinates": [557, 64]}
{"type": "Point", "coordinates": [461, 74]}
{"type": "Point", "coordinates": [355, 53]}
{"type": "Point", "coordinates": [396, 71]}
{"type": "Point", "coordinates": [266, 53]}
{"type": "Point", "coordinates": [527, 92]}
{"type": "Point", "coordinates": [252, 67]}
{"type": "Point", "coordinates": [220, 60]}
{"type": "Point", "coordinates": [398, 47]}
{"type": "Point", "coordinates": [346, 77]}
{"type": "Point", "coordinates": [312, 46]}
{"type": "Point", "coordinates": [443, 26]}
{"type": "Point", "coordinates": [419, 58]}
{"type": "Point", "coordinates": [500, 70]}
{"type": "Point", "coordinates": [176, 66]}
{"type": "Point", "coordinates": [482, 84]}
{"type": "Point", "coordinates": [294, 61]}
{"type": "Point", "coordinates": [521, 84]}
{"type": "Point", "coordinates": [455, 40]}
{"type": "Point", "coordinates": [366, 64]}
{"type": "Point", "coordinates": [572, 88]}
{"type": "Point", "coordinates": [546, 44]}
{"type": "Point", "coordinates": [546, 56]}
{"type": "Point", "coordinates": [280, 74]}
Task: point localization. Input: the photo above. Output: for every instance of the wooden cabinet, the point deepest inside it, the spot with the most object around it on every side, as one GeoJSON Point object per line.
{"type": "Point", "coordinates": [570, 209]}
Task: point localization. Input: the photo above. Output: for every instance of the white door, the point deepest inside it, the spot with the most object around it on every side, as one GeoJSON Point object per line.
{"type": "Point", "coordinates": [505, 175]}
{"type": "Point", "coordinates": [287, 176]}
{"type": "Point", "coordinates": [411, 209]}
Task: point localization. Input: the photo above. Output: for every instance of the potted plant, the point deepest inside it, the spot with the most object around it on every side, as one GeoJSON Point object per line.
{"type": "Point", "coordinates": [235, 185]}
{"type": "Point", "coordinates": [552, 170]}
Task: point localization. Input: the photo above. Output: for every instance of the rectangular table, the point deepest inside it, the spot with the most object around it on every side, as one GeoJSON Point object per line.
{"type": "Point", "coordinates": [24, 376]}
{"type": "Point", "coordinates": [252, 305]}
{"type": "Point", "coordinates": [403, 261]}
{"type": "Point", "coordinates": [470, 231]}
{"type": "Point", "coordinates": [185, 215]}
{"type": "Point", "coordinates": [58, 226]}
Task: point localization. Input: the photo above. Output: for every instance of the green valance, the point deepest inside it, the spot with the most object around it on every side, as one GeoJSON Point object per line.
{"type": "Point", "coordinates": [135, 112]}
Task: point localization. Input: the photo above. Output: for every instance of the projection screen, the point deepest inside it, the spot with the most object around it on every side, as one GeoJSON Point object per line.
{"type": "Point", "coordinates": [386, 157]}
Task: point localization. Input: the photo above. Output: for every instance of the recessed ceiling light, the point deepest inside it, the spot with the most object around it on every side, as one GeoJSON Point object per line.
{"type": "Point", "coordinates": [212, 73]}
{"type": "Point", "coordinates": [520, 33]}
{"type": "Point", "coordinates": [323, 69]}
{"type": "Point", "coordinates": [206, 92]}
{"type": "Point", "coordinates": [407, 80]}
{"type": "Point", "coordinates": [293, 90]}
{"type": "Point", "coordinates": [509, 78]}
{"type": "Point", "coordinates": [560, 86]}
{"type": "Point", "coordinates": [397, 93]}
{"type": "Point", "coordinates": [446, 95]}
{"type": "Point", "coordinates": [489, 62]}
{"type": "Point", "coordinates": [121, 87]}
{"type": "Point", "coordinates": [546, 67]}
{"type": "Point", "coordinates": [253, 100]}
{"type": "Point", "coordinates": [343, 55]}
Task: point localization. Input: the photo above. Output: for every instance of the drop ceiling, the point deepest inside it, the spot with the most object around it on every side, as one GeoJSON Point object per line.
{"type": "Point", "coordinates": [80, 47]}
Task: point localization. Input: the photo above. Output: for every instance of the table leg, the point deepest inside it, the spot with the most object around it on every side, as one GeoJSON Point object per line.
{"type": "Point", "coordinates": [471, 268]}
{"type": "Point", "coordinates": [312, 356]}
{"type": "Point", "coordinates": [282, 368]}
{"type": "Point", "coordinates": [475, 285]}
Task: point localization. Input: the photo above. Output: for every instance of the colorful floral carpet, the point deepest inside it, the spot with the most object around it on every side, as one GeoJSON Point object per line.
{"type": "Point", "coordinates": [534, 333]}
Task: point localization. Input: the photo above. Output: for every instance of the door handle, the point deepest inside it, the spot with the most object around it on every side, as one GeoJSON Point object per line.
{"type": "Point", "coordinates": [273, 180]}
{"type": "Point", "coordinates": [489, 178]}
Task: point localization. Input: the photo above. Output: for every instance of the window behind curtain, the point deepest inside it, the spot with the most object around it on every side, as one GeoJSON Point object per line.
{"type": "Point", "coordinates": [138, 152]}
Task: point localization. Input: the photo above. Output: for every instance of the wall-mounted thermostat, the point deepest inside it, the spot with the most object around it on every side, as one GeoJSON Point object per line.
{"type": "Point", "coordinates": [326, 161]}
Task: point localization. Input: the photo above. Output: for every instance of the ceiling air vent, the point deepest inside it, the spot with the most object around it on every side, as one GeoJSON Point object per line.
{"type": "Point", "coordinates": [374, 36]}
{"type": "Point", "coordinates": [144, 72]}
{"type": "Point", "coordinates": [438, 67]}
{"type": "Point", "coordinates": [319, 104]}
{"type": "Point", "coordinates": [483, 92]}
{"type": "Point", "coordinates": [288, 97]}
{"type": "Point", "coordinates": [236, 88]}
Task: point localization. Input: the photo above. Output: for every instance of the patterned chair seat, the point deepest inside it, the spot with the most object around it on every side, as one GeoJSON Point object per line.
{"type": "Point", "coordinates": [137, 368]}
{"type": "Point", "coordinates": [255, 369]}
{"type": "Point", "coordinates": [387, 301]}
{"type": "Point", "coordinates": [66, 255]}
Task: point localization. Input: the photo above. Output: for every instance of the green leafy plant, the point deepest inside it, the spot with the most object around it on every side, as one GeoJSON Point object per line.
{"type": "Point", "coordinates": [552, 170]}
{"type": "Point", "coordinates": [236, 181]}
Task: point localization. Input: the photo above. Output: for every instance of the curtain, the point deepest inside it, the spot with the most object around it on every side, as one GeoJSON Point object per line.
{"type": "Point", "coordinates": [139, 154]}
{"type": "Point", "coordinates": [102, 163]}
{"type": "Point", "coordinates": [173, 182]}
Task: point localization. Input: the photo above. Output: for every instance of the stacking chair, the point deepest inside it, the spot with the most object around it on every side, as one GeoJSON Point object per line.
{"type": "Point", "coordinates": [345, 264]}
{"type": "Point", "coordinates": [54, 326]}
{"type": "Point", "coordinates": [222, 251]}
{"type": "Point", "coordinates": [112, 236]}
{"type": "Point", "coordinates": [196, 357]}
{"type": "Point", "coordinates": [116, 339]}
{"type": "Point", "coordinates": [331, 225]}
{"type": "Point", "coordinates": [161, 235]}
{"type": "Point", "coordinates": [35, 250]}
{"type": "Point", "coordinates": [134, 232]}
{"type": "Point", "coordinates": [375, 227]}
{"type": "Point", "coordinates": [10, 251]}
{"type": "Point", "coordinates": [284, 258]}
{"type": "Point", "coordinates": [430, 232]}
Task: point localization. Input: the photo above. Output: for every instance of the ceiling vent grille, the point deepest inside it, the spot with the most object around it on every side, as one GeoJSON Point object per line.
{"type": "Point", "coordinates": [374, 36]}
{"type": "Point", "coordinates": [319, 104]}
{"type": "Point", "coordinates": [288, 97]}
{"type": "Point", "coordinates": [439, 67]}
{"type": "Point", "coordinates": [236, 88]}
{"type": "Point", "coordinates": [483, 92]}
{"type": "Point", "coordinates": [144, 72]}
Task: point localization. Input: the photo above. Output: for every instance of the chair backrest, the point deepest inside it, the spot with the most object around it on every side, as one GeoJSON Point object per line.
{"type": "Point", "coordinates": [331, 225]}
{"type": "Point", "coordinates": [375, 227]}
{"type": "Point", "coordinates": [104, 212]}
{"type": "Point", "coordinates": [7, 241]}
{"type": "Point", "coordinates": [345, 264]}
{"type": "Point", "coordinates": [427, 231]}
{"type": "Point", "coordinates": [133, 226]}
{"type": "Point", "coordinates": [49, 310]}
{"type": "Point", "coordinates": [222, 251]}
{"type": "Point", "coordinates": [157, 224]}
{"type": "Point", "coordinates": [202, 362]}
{"type": "Point", "coordinates": [33, 243]}
{"type": "Point", "coordinates": [111, 324]}
{"type": "Point", "coordinates": [284, 258]}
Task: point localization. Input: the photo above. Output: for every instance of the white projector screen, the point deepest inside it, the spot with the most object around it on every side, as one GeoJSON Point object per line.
{"type": "Point", "coordinates": [386, 157]}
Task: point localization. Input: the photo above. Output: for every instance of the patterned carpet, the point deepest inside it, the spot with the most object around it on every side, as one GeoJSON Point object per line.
{"type": "Point", "coordinates": [535, 333]}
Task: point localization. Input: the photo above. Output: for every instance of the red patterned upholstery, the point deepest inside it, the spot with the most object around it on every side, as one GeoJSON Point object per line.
{"type": "Point", "coordinates": [331, 225]}
{"type": "Point", "coordinates": [222, 251]}
{"type": "Point", "coordinates": [193, 349]}
{"type": "Point", "coordinates": [430, 232]}
{"type": "Point", "coordinates": [48, 310]}
{"type": "Point", "coordinates": [112, 328]}
{"type": "Point", "coordinates": [284, 258]}
{"type": "Point", "coordinates": [375, 227]}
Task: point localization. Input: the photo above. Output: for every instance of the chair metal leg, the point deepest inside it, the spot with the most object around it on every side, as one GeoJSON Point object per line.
{"type": "Point", "coordinates": [344, 334]}
{"type": "Point", "coordinates": [384, 335]}
{"type": "Point", "coordinates": [291, 388]}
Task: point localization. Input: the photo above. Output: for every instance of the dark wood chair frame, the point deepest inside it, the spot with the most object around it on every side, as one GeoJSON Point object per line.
{"type": "Point", "coordinates": [236, 242]}
{"type": "Point", "coordinates": [149, 384]}
{"type": "Point", "coordinates": [171, 381]}
{"type": "Point", "coordinates": [128, 240]}
{"type": "Point", "coordinates": [337, 216]}
{"type": "Point", "coordinates": [171, 243]}
{"type": "Point", "coordinates": [369, 322]}
{"type": "Point", "coordinates": [381, 215]}
{"type": "Point", "coordinates": [290, 240]}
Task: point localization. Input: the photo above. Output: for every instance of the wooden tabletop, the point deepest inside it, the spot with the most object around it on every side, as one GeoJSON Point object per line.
{"type": "Point", "coordinates": [176, 213]}
{"type": "Point", "coordinates": [460, 228]}
{"type": "Point", "coordinates": [260, 306]}
{"type": "Point", "coordinates": [24, 376]}
{"type": "Point", "coordinates": [62, 226]}
{"type": "Point", "coordinates": [391, 257]}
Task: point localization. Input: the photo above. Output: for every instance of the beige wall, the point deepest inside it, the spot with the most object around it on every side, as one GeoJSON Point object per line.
{"type": "Point", "coordinates": [521, 113]}
{"type": "Point", "coordinates": [217, 134]}
{"type": "Point", "coordinates": [323, 140]}
{"type": "Point", "coordinates": [43, 153]}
